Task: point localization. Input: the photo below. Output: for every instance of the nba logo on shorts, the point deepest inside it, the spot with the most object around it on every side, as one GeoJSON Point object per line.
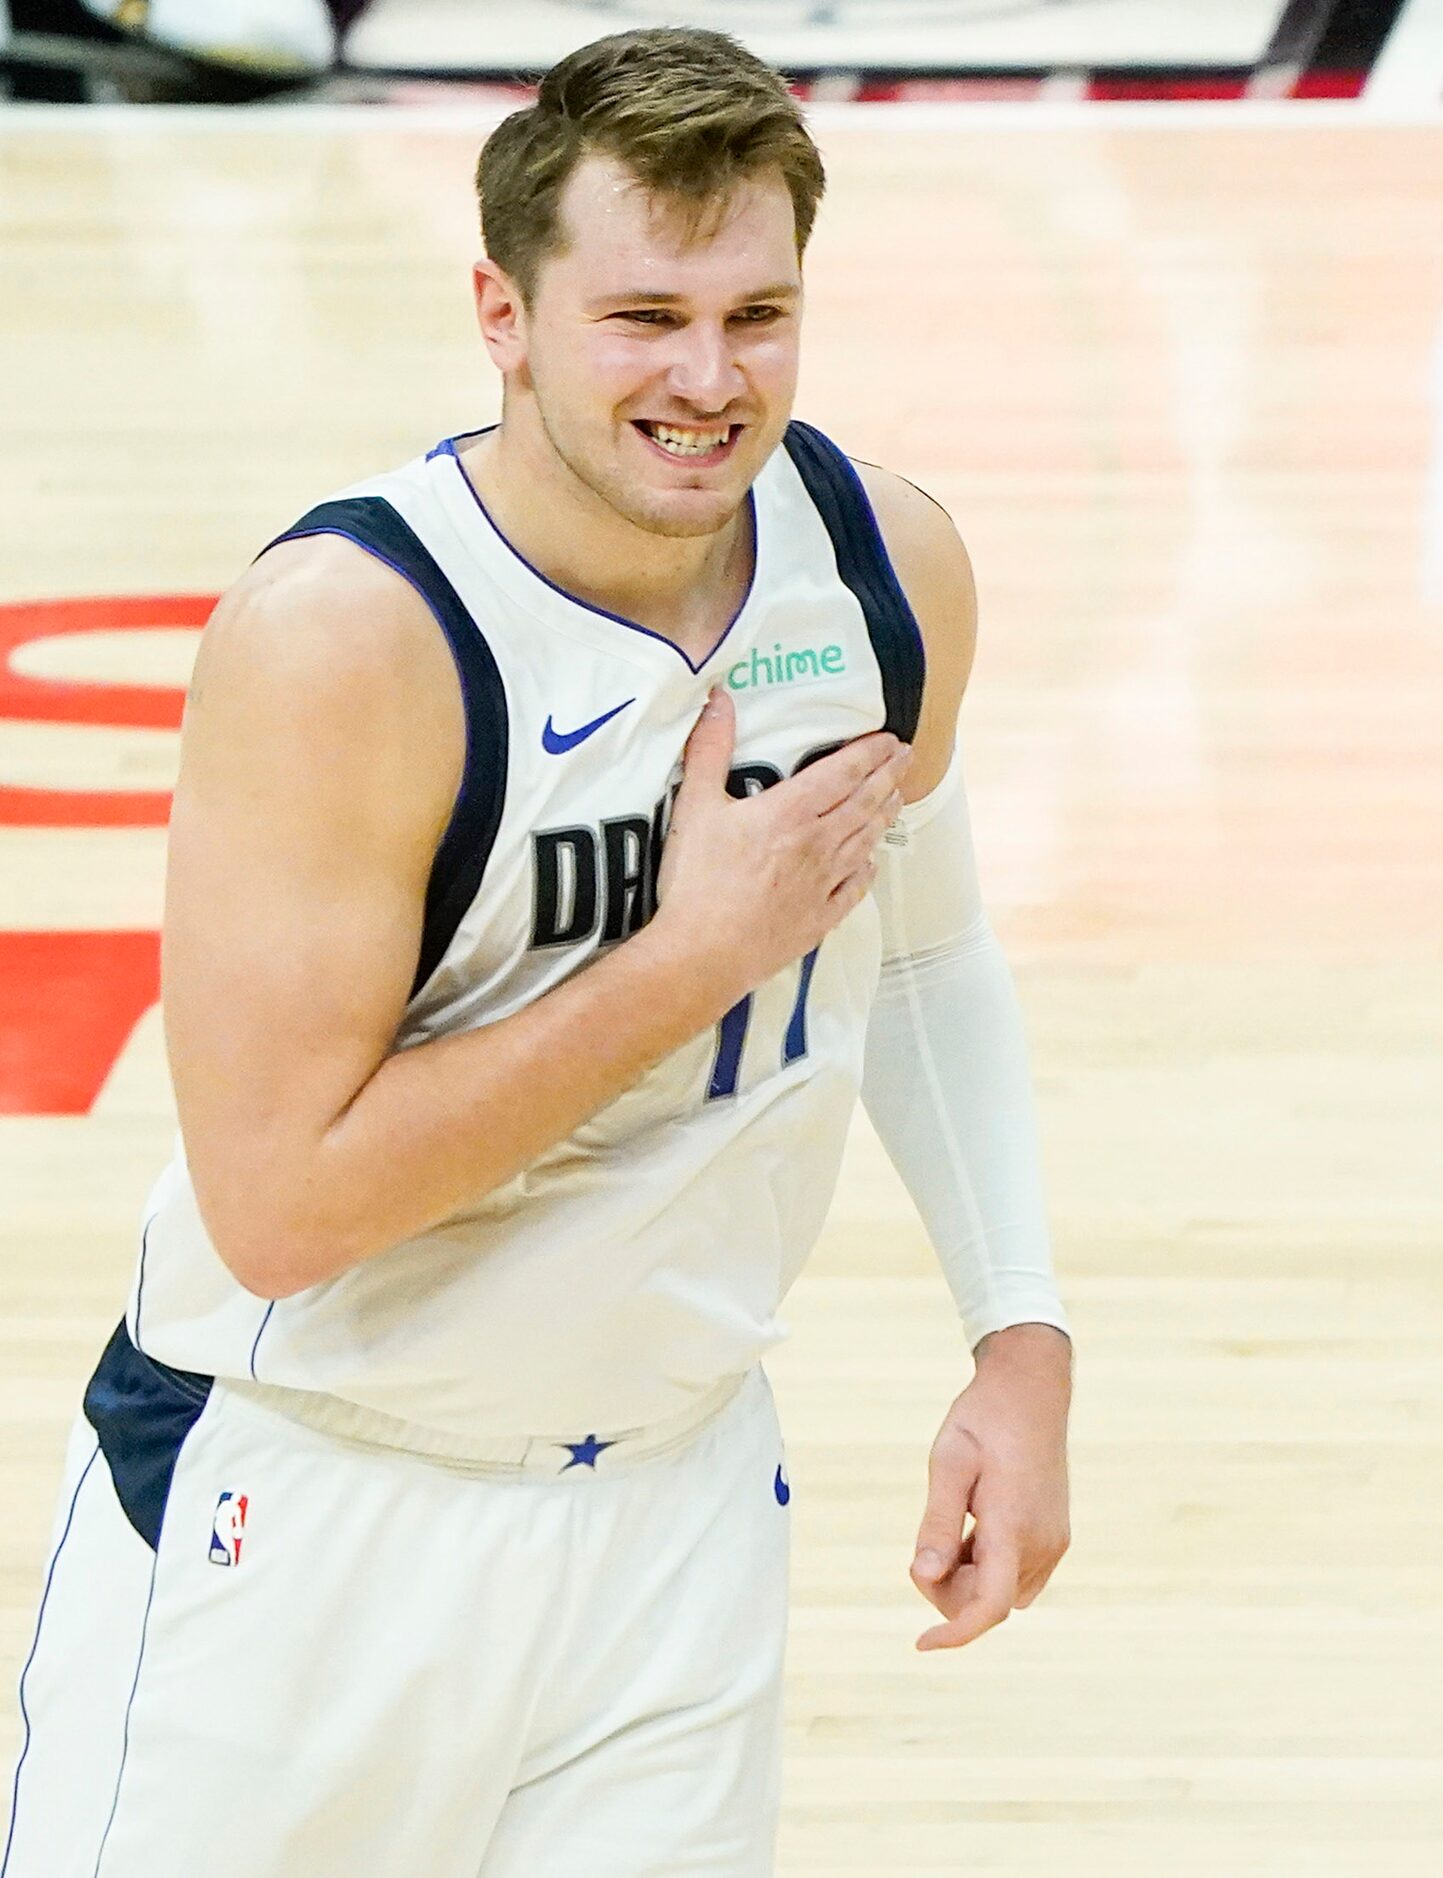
{"type": "Point", "coordinates": [228, 1529]}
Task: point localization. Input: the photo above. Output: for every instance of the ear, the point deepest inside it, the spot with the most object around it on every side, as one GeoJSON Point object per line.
{"type": "Point", "coordinates": [500, 314]}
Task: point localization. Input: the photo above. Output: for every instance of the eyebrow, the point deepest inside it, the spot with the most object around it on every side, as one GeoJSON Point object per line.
{"type": "Point", "coordinates": [637, 296]}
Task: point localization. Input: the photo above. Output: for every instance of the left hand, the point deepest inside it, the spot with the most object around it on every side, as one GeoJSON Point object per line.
{"type": "Point", "coordinates": [1001, 1454]}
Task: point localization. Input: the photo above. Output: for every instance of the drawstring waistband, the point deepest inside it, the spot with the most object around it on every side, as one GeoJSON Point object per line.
{"type": "Point", "coordinates": [583, 1451]}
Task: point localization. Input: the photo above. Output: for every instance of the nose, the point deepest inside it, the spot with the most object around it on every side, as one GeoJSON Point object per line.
{"type": "Point", "coordinates": [703, 368]}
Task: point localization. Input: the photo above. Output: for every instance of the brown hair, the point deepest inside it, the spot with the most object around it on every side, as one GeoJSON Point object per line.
{"type": "Point", "coordinates": [689, 112]}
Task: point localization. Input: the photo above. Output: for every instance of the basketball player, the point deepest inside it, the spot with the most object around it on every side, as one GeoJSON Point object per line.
{"type": "Point", "coordinates": [568, 826]}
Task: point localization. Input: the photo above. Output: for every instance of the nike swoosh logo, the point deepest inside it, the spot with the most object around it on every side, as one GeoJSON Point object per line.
{"type": "Point", "coordinates": [557, 742]}
{"type": "Point", "coordinates": [782, 1488]}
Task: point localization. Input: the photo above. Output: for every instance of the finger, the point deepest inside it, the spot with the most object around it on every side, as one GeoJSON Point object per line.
{"type": "Point", "coordinates": [1039, 1569]}
{"type": "Point", "coordinates": [946, 1591]}
{"type": "Point", "coordinates": [973, 1622]}
{"type": "Point", "coordinates": [822, 785]}
{"type": "Point", "coordinates": [953, 1465]}
{"type": "Point", "coordinates": [706, 760]}
{"type": "Point", "coordinates": [999, 1566]}
{"type": "Point", "coordinates": [863, 841]}
{"type": "Point", "coordinates": [988, 1591]}
{"type": "Point", "coordinates": [849, 894]}
{"type": "Point", "coordinates": [875, 792]}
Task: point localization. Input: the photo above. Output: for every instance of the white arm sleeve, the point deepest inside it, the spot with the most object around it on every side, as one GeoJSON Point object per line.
{"type": "Point", "coordinates": [946, 1082]}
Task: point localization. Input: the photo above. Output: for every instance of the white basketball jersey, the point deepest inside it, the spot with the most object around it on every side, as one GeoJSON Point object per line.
{"type": "Point", "coordinates": [640, 1262]}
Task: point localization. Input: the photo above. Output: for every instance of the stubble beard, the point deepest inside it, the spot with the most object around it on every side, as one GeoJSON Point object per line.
{"type": "Point", "coordinates": [630, 502]}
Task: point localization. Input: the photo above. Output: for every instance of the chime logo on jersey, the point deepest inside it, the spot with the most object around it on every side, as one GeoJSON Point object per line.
{"type": "Point", "coordinates": [798, 665]}
{"type": "Point", "coordinates": [228, 1529]}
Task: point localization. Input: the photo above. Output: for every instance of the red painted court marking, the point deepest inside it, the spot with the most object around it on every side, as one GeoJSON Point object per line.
{"type": "Point", "coordinates": [68, 1003]}
{"type": "Point", "coordinates": [32, 700]}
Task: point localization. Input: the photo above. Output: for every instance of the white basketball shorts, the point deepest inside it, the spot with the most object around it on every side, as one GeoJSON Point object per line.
{"type": "Point", "coordinates": [265, 1651]}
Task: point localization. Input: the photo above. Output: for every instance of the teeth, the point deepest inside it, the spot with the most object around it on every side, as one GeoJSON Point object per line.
{"type": "Point", "coordinates": [688, 442]}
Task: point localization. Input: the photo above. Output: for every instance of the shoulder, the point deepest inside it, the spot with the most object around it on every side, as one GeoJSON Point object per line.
{"type": "Point", "coordinates": [322, 619]}
{"type": "Point", "coordinates": [321, 655]}
{"type": "Point", "coordinates": [935, 572]}
{"type": "Point", "coordinates": [322, 599]}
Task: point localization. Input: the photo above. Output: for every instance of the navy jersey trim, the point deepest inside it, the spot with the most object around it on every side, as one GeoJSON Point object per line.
{"type": "Point", "coordinates": [460, 860]}
{"type": "Point", "coordinates": [142, 1411]}
{"type": "Point", "coordinates": [447, 447]}
{"type": "Point", "coordinates": [865, 566]}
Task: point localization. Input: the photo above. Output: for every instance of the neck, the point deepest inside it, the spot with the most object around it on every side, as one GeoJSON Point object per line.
{"type": "Point", "coordinates": [684, 587]}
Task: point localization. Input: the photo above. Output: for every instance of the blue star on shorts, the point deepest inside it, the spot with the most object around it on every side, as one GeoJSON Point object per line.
{"type": "Point", "coordinates": [584, 1453]}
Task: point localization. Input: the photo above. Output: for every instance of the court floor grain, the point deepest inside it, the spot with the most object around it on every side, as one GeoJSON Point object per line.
{"type": "Point", "coordinates": [1180, 385]}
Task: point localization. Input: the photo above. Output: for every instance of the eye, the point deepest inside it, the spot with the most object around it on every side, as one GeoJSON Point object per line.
{"type": "Point", "coordinates": [759, 315]}
{"type": "Point", "coordinates": [645, 315]}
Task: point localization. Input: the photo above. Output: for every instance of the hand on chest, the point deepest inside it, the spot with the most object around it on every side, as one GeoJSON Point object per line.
{"type": "Point", "coordinates": [591, 790]}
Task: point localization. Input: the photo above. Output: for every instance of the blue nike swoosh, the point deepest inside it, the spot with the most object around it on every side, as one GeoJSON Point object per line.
{"type": "Point", "coordinates": [782, 1488]}
{"type": "Point", "coordinates": [557, 742]}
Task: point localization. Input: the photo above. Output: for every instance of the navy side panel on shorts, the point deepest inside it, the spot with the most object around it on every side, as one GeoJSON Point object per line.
{"type": "Point", "coordinates": [142, 1411]}
{"type": "Point", "coordinates": [865, 567]}
{"type": "Point", "coordinates": [373, 524]}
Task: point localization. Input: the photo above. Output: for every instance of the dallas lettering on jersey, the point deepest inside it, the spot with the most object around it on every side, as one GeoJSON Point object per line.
{"type": "Point", "coordinates": [587, 877]}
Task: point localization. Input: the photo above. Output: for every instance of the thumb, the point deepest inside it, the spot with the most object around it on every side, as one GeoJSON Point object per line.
{"type": "Point", "coordinates": [707, 758]}
{"type": "Point", "coordinates": [953, 1468]}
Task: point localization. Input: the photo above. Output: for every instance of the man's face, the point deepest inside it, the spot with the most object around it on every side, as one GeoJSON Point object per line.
{"type": "Point", "coordinates": [664, 371]}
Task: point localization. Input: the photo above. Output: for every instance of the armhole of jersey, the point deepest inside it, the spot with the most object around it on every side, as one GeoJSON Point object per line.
{"type": "Point", "coordinates": [373, 524]}
{"type": "Point", "coordinates": [865, 566]}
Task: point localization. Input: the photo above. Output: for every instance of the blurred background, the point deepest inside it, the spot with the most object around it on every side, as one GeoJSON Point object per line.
{"type": "Point", "coordinates": [910, 49]}
{"type": "Point", "coordinates": [1149, 294]}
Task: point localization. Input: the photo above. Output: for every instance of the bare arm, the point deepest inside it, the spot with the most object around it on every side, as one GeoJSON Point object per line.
{"type": "Point", "coordinates": [320, 758]}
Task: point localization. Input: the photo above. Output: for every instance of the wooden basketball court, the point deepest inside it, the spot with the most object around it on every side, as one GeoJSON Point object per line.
{"type": "Point", "coordinates": [1180, 383]}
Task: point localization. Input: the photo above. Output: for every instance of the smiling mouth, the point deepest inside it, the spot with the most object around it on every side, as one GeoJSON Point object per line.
{"type": "Point", "coordinates": [690, 443]}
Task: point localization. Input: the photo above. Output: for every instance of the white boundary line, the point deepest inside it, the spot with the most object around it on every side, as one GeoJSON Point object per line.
{"type": "Point", "coordinates": [896, 118]}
